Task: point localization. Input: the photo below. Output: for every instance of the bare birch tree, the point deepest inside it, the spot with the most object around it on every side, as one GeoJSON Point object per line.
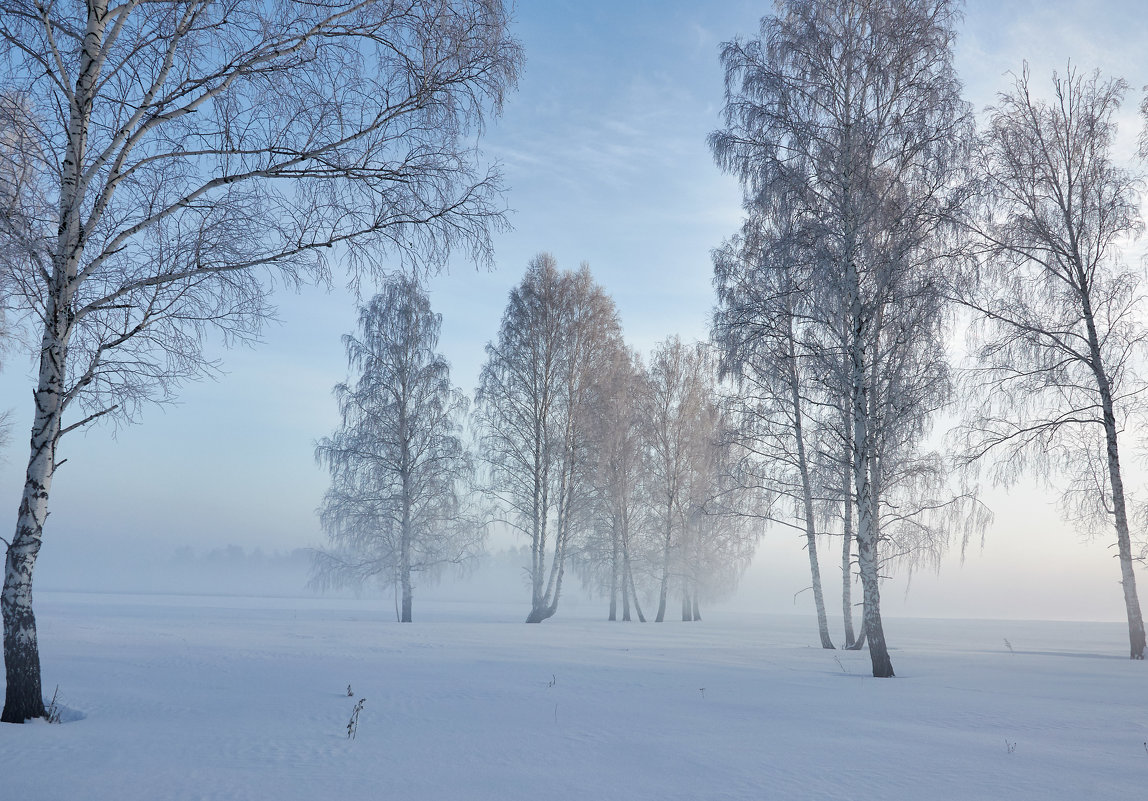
{"type": "Point", "coordinates": [854, 110]}
{"type": "Point", "coordinates": [558, 333]}
{"type": "Point", "coordinates": [400, 473]}
{"type": "Point", "coordinates": [677, 440]}
{"type": "Point", "coordinates": [1059, 332]}
{"type": "Point", "coordinates": [607, 559]}
{"type": "Point", "coordinates": [187, 154]}
{"type": "Point", "coordinates": [725, 512]}
{"type": "Point", "coordinates": [762, 284]}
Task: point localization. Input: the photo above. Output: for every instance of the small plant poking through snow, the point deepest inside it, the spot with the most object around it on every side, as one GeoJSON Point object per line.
{"type": "Point", "coordinates": [54, 710]}
{"type": "Point", "coordinates": [1008, 645]}
{"type": "Point", "coordinates": [350, 692]}
{"type": "Point", "coordinates": [702, 690]}
{"type": "Point", "coordinates": [353, 723]}
{"type": "Point", "coordinates": [553, 681]}
{"type": "Point", "coordinates": [840, 665]}
{"type": "Point", "coordinates": [1010, 747]}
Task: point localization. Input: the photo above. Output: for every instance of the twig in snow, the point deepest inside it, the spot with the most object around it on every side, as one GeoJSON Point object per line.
{"type": "Point", "coordinates": [353, 723]}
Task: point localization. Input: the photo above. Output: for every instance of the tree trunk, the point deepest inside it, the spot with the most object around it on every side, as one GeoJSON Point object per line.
{"type": "Point", "coordinates": [806, 490]}
{"type": "Point", "coordinates": [663, 592]}
{"type": "Point", "coordinates": [863, 464]}
{"type": "Point", "coordinates": [870, 581]}
{"type": "Point", "coordinates": [615, 569]}
{"type": "Point", "coordinates": [1136, 636]}
{"type": "Point", "coordinates": [1115, 475]}
{"type": "Point", "coordinates": [697, 611]}
{"type": "Point", "coordinates": [847, 565]}
{"type": "Point", "coordinates": [23, 698]}
{"type": "Point", "coordinates": [661, 616]}
{"type": "Point", "coordinates": [628, 579]}
{"type": "Point", "coordinates": [687, 608]}
{"type": "Point", "coordinates": [540, 613]}
{"type": "Point", "coordinates": [407, 595]}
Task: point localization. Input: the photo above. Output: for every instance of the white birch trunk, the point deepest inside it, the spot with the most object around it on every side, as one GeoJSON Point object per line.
{"type": "Point", "coordinates": [23, 695]}
{"type": "Point", "coordinates": [1136, 635]}
{"type": "Point", "coordinates": [807, 495]}
{"type": "Point", "coordinates": [867, 557]}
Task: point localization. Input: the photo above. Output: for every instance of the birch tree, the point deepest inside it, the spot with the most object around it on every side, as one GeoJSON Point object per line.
{"type": "Point", "coordinates": [1059, 334]}
{"type": "Point", "coordinates": [725, 512]}
{"type": "Point", "coordinates": [762, 285]}
{"type": "Point", "coordinates": [854, 111]}
{"type": "Point", "coordinates": [556, 339]}
{"type": "Point", "coordinates": [400, 473]}
{"type": "Point", "coordinates": [187, 155]}
{"type": "Point", "coordinates": [677, 438]}
{"type": "Point", "coordinates": [608, 558]}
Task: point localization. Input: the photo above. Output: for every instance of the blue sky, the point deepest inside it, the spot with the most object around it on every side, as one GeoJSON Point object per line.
{"type": "Point", "coordinates": [603, 149]}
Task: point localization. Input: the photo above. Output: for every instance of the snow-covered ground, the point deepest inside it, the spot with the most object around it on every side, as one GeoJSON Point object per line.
{"type": "Point", "coordinates": [240, 698]}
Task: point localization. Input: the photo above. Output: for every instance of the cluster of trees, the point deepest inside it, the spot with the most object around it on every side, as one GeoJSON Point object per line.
{"type": "Point", "coordinates": [875, 215]}
{"type": "Point", "coordinates": [617, 470]}
{"type": "Point", "coordinates": [599, 461]}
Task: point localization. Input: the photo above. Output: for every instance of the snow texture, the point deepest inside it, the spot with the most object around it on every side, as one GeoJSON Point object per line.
{"type": "Point", "coordinates": [244, 698]}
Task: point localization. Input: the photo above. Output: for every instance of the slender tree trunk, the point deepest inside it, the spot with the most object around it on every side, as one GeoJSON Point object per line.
{"type": "Point", "coordinates": [664, 591]}
{"type": "Point", "coordinates": [697, 611]}
{"type": "Point", "coordinates": [807, 495]}
{"type": "Point", "coordinates": [634, 591]}
{"type": "Point", "coordinates": [615, 570]}
{"type": "Point", "coordinates": [1136, 636]}
{"type": "Point", "coordinates": [847, 564]}
{"type": "Point", "coordinates": [405, 474]}
{"type": "Point", "coordinates": [687, 608]}
{"type": "Point", "coordinates": [625, 568]}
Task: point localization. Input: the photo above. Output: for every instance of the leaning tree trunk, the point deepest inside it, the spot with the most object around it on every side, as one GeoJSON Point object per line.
{"type": "Point", "coordinates": [1136, 637]}
{"type": "Point", "coordinates": [628, 581]}
{"type": "Point", "coordinates": [806, 493]}
{"type": "Point", "coordinates": [23, 698]}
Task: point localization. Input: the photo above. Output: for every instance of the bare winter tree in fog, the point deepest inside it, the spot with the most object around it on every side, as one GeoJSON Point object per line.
{"type": "Point", "coordinates": [853, 110]}
{"type": "Point", "coordinates": [558, 336]}
{"type": "Point", "coordinates": [184, 157]}
{"type": "Point", "coordinates": [677, 437]}
{"type": "Point", "coordinates": [400, 473]}
{"type": "Point", "coordinates": [609, 555]}
{"type": "Point", "coordinates": [765, 284]}
{"type": "Point", "coordinates": [1060, 333]}
{"type": "Point", "coordinates": [725, 513]}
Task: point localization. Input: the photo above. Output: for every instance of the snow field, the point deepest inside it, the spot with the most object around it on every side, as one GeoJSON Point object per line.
{"type": "Point", "coordinates": [235, 698]}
